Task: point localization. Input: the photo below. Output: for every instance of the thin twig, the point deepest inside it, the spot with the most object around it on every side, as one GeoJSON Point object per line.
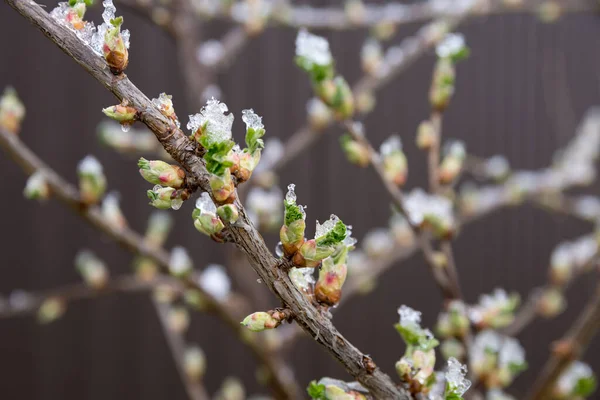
{"type": "Point", "coordinates": [569, 348]}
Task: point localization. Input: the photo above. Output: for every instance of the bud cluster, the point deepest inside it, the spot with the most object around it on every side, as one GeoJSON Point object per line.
{"type": "Point", "coordinates": [449, 51]}
{"type": "Point", "coordinates": [453, 322]}
{"type": "Point", "coordinates": [434, 212]}
{"type": "Point", "coordinates": [314, 57]}
{"type": "Point", "coordinates": [496, 310]}
{"type": "Point", "coordinates": [169, 180]}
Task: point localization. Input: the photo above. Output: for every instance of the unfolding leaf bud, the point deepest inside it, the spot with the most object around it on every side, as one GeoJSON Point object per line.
{"type": "Point", "coordinates": [427, 136]}
{"type": "Point", "coordinates": [452, 163]}
{"type": "Point", "coordinates": [292, 232]}
{"type": "Point", "coordinates": [222, 187]}
{"type": "Point", "coordinates": [164, 103]}
{"type": "Point", "coordinates": [51, 309]}
{"type": "Point", "coordinates": [92, 269]}
{"type": "Point", "coordinates": [331, 234]}
{"type": "Point", "coordinates": [205, 216]}
{"type": "Point", "coordinates": [12, 111]}
{"type": "Point", "coordinates": [442, 86]}
{"type": "Point", "coordinates": [395, 165]}
{"type": "Point", "coordinates": [194, 363]}
{"type": "Point", "coordinates": [356, 152]}
{"type": "Point", "coordinates": [36, 187]}
{"type": "Point", "coordinates": [259, 321]}
{"type": "Point", "coordinates": [332, 276]}
{"type": "Point", "coordinates": [228, 212]}
{"type": "Point", "coordinates": [121, 113]}
{"type": "Point", "coordinates": [336, 93]}
{"type": "Point", "coordinates": [551, 303]}
{"type": "Point", "coordinates": [161, 173]}
{"type": "Point", "coordinates": [92, 182]}
{"type": "Point", "coordinates": [115, 48]}
{"type": "Point", "coordinates": [164, 198]}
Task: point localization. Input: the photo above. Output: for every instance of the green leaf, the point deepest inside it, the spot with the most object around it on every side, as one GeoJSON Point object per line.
{"type": "Point", "coordinates": [317, 72]}
{"type": "Point", "coordinates": [334, 236]}
{"type": "Point", "coordinates": [292, 213]}
{"type": "Point", "coordinates": [117, 22]}
{"type": "Point", "coordinates": [216, 158]}
{"type": "Point", "coordinates": [410, 336]}
{"type": "Point", "coordinates": [585, 386]}
{"type": "Point", "coordinates": [253, 139]}
{"type": "Point", "coordinates": [316, 391]}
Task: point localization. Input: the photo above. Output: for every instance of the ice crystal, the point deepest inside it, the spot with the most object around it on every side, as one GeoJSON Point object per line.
{"type": "Point", "coordinates": [205, 204]}
{"type": "Point", "coordinates": [180, 261]}
{"type": "Point", "coordinates": [279, 250]}
{"type": "Point", "coordinates": [252, 120]}
{"type": "Point", "coordinates": [290, 196]}
{"type": "Point", "coordinates": [327, 226]}
{"type": "Point", "coordinates": [302, 278]}
{"type": "Point", "coordinates": [89, 166]}
{"type": "Point", "coordinates": [210, 53]}
{"type": "Point", "coordinates": [409, 317]}
{"type": "Point", "coordinates": [456, 377]}
{"type": "Point", "coordinates": [452, 44]}
{"type": "Point", "coordinates": [214, 280]}
{"type": "Point", "coordinates": [218, 125]}
{"type": "Point", "coordinates": [391, 145]}
{"type": "Point", "coordinates": [313, 48]}
{"type": "Point", "coordinates": [109, 11]}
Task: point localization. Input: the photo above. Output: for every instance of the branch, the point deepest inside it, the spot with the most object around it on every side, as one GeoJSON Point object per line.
{"type": "Point", "coordinates": [135, 243]}
{"type": "Point", "coordinates": [569, 348]}
{"type": "Point", "coordinates": [245, 236]}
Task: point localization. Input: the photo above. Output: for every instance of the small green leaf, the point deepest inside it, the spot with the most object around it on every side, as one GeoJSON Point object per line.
{"type": "Point", "coordinates": [292, 213]}
{"type": "Point", "coordinates": [585, 386]}
{"type": "Point", "coordinates": [336, 235]}
{"type": "Point", "coordinates": [117, 22]}
{"type": "Point", "coordinates": [253, 139]}
{"type": "Point", "coordinates": [316, 391]}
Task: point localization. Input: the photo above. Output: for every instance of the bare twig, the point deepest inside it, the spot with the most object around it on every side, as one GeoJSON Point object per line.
{"type": "Point", "coordinates": [569, 348]}
{"type": "Point", "coordinates": [245, 236]}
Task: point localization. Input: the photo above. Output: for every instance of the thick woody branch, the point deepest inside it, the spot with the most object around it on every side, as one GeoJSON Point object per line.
{"type": "Point", "coordinates": [245, 236]}
{"type": "Point", "coordinates": [569, 348]}
{"type": "Point", "coordinates": [135, 243]}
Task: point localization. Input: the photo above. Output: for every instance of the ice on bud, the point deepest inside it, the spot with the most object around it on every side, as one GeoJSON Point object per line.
{"type": "Point", "coordinates": [453, 47]}
{"type": "Point", "coordinates": [319, 115]}
{"type": "Point", "coordinates": [180, 263]}
{"type": "Point", "coordinates": [12, 110]}
{"type": "Point", "coordinates": [109, 11]}
{"type": "Point", "coordinates": [212, 122]}
{"type": "Point", "coordinates": [457, 384]}
{"type": "Point", "coordinates": [494, 310]}
{"type": "Point", "coordinates": [36, 187]}
{"type": "Point", "coordinates": [327, 226]}
{"type": "Point", "coordinates": [92, 269]}
{"type": "Point", "coordinates": [164, 103]}
{"type": "Point", "coordinates": [194, 363]}
{"type": "Point", "coordinates": [391, 145]}
{"type": "Point", "coordinates": [313, 49]}
{"type": "Point", "coordinates": [210, 53]}
{"type": "Point", "coordinates": [92, 182]}
{"type": "Point", "coordinates": [409, 317]}
{"type": "Point", "coordinates": [51, 309]}
{"type": "Point", "coordinates": [290, 196]}
{"type": "Point", "coordinates": [303, 279]}
{"type": "Point", "coordinates": [205, 204]}
{"type": "Point", "coordinates": [205, 216]}
{"type": "Point", "coordinates": [252, 120]}
{"type": "Point", "coordinates": [164, 198]}
{"type": "Point", "coordinates": [435, 210]}
{"type": "Point", "coordinates": [214, 281]}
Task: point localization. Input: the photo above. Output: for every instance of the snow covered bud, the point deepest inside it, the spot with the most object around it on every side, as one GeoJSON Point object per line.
{"type": "Point", "coordinates": [228, 212]}
{"type": "Point", "coordinates": [215, 281]}
{"type": "Point", "coordinates": [313, 56]}
{"type": "Point", "coordinates": [122, 113]}
{"type": "Point", "coordinates": [452, 163]}
{"type": "Point", "coordinates": [319, 115]}
{"type": "Point", "coordinates": [394, 160]}
{"type": "Point", "coordinates": [552, 302]}
{"type": "Point", "coordinates": [494, 310]}
{"type": "Point", "coordinates": [453, 48]}
{"type": "Point", "coordinates": [410, 329]}
{"type": "Point", "coordinates": [371, 56]}
{"type": "Point", "coordinates": [159, 226]}
{"type": "Point", "coordinates": [292, 231]}
{"type": "Point", "coordinates": [332, 276]}
{"type": "Point", "coordinates": [51, 309]}
{"type": "Point", "coordinates": [206, 219]}
{"type": "Point", "coordinates": [327, 237]}
{"type": "Point", "coordinates": [250, 156]}
{"type": "Point", "coordinates": [92, 182]}
{"type": "Point", "coordinates": [456, 382]}
{"type": "Point", "coordinates": [71, 14]}
{"type": "Point", "coordinates": [92, 269]}
{"type": "Point", "coordinates": [576, 382]}
{"type": "Point", "coordinates": [427, 136]}
{"type": "Point", "coordinates": [303, 279]}
{"type": "Point", "coordinates": [431, 211]}
{"type": "Point", "coordinates": [356, 152]}
{"type": "Point", "coordinates": [212, 127]}
{"type": "Point", "coordinates": [336, 93]}
{"type": "Point", "coordinates": [496, 359]}
{"type": "Point", "coordinates": [164, 198]}
{"type": "Point", "coordinates": [194, 363]}
{"type": "Point", "coordinates": [111, 211]}
{"type": "Point", "coordinates": [36, 187]}
{"type": "Point", "coordinates": [12, 111]}
{"type": "Point", "coordinates": [164, 103]}
{"type": "Point", "coordinates": [115, 47]}
{"type": "Point", "coordinates": [180, 263]}
{"type": "Point", "coordinates": [161, 173]}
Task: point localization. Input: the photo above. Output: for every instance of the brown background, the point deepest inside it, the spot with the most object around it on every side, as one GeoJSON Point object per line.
{"type": "Point", "coordinates": [521, 93]}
